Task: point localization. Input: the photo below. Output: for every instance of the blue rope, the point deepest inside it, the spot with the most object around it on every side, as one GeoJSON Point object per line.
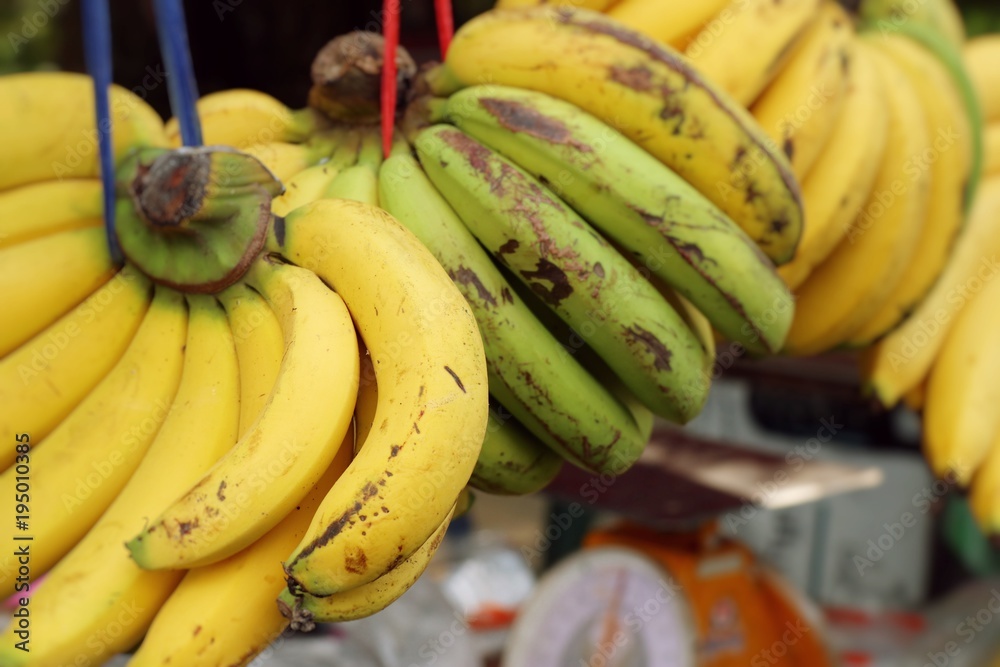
{"type": "Point", "coordinates": [97, 53]}
{"type": "Point", "coordinates": [172, 31]}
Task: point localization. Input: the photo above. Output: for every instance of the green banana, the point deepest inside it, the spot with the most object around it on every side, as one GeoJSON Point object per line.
{"type": "Point", "coordinates": [512, 461]}
{"type": "Point", "coordinates": [646, 90]}
{"type": "Point", "coordinates": [544, 387]}
{"type": "Point", "coordinates": [573, 269]}
{"type": "Point", "coordinates": [669, 227]}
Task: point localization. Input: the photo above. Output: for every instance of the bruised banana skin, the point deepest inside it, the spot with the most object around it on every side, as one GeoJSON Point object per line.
{"type": "Point", "coordinates": [544, 387]}
{"type": "Point", "coordinates": [367, 599]}
{"type": "Point", "coordinates": [573, 269]}
{"type": "Point", "coordinates": [433, 399]}
{"type": "Point", "coordinates": [648, 92]}
{"type": "Point", "coordinates": [665, 224]}
{"type": "Point", "coordinates": [226, 611]}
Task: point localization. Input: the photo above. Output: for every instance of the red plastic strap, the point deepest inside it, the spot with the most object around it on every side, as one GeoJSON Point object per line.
{"type": "Point", "coordinates": [445, 25]}
{"type": "Point", "coordinates": [390, 31]}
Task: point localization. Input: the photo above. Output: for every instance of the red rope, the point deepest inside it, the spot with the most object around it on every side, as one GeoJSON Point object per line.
{"type": "Point", "coordinates": [445, 24]}
{"type": "Point", "coordinates": [390, 31]}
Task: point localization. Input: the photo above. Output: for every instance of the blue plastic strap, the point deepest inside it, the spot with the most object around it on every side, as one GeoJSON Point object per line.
{"type": "Point", "coordinates": [97, 53]}
{"type": "Point", "coordinates": [183, 90]}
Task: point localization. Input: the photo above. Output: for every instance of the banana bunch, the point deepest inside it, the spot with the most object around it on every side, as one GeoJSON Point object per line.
{"type": "Point", "coordinates": [941, 360]}
{"type": "Point", "coordinates": [307, 390]}
{"type": "Point", "coordinates": [576, 202]}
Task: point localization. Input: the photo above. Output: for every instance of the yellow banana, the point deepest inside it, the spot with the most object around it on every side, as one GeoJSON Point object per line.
{"type": "Point", "coordinates": [48, 130]}
{"type": "Point", "coordinates": [916, 398]}
{"type": "Point", "coordinates": [90, 456]}
{"type": "Point", "coordinates": [367, 403]}
{"type": "Point", "coordinates": [991, 140]}
{"type": "Point", "coordinates": [285, 160]}
{"type": "Point", "coordinates": [800, 109]}
{"type": "Point", "coordinates": [646, 91]}
{"type": "Point", "coordinates": [984, 492]}
{"type": "Point", "coordinates": [858, 278]}
{"type": "Point", "coordinates": [286, 450]}
{"type": "Point", "coordinates": [432, 399]}
{"type": "Point", "coordinates": [982, 61]}
{"type": "Point", "coordinates": [96, 587]}
{"type": "Point", "coordinates": [40, 280]}
{"type": "Point", "coordinates": [948, 163]}
{"type": "Point", "coordinates": [961, 422]}
{"type": "Point", "coordinates": [366, 599]}
{"type": "Point", "coordinates": [596, 5]}
{"type": "Point", "coordinates": [226, 611]}
{"type": "Point", "coordinates": [843, 176]}
{"type": "Point", "coordinates": [259, 348]}
{"type": "Point", "coordinates": [44, 379]}
{"type": "Point", "coordinates": [723, 54]}
{"type": "Point", "coordinates": [39, 209]}
{"type": "Point", "coordinates": [306, 186]}
{"type": "Point", "coordinates": [901, 361]}
{"type": "Point", "coordinates": [241, 117]}
{"type": "Point", "coordinates": [673, 23]}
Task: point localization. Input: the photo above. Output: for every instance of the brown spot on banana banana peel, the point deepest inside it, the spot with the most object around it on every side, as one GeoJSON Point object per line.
{"type": "Point", "coordinates": [661, 355]}
{"type": "Point", "coordinates": [457, 379]}
{"type": "Point", "coordinates": [356, 562]}
{"type": "Point", "coordinates": [548, 272]}
{"type": "Point", "coordinates": [509, 247]}
{"type": "Point", "coordinates": [369, 491]}
{"type": "Point", "coordinates": [467, 276]}
{"type": "Point", "coordinates": [603, 26]}
{"type": "Point", "coordinates": [517, 117]}
{"type": "Point", "coordinates": [186, 527]}
{"type": "Point", "coordinates": [220, 494]}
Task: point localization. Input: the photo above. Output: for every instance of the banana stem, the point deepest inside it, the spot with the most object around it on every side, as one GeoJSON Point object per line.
{"type": "Point", "coordinates": [346, 153]}
{"type": "Point", "coordinates": [372, 150]}
{"type": "Point", "coordinates": [400, 146]}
